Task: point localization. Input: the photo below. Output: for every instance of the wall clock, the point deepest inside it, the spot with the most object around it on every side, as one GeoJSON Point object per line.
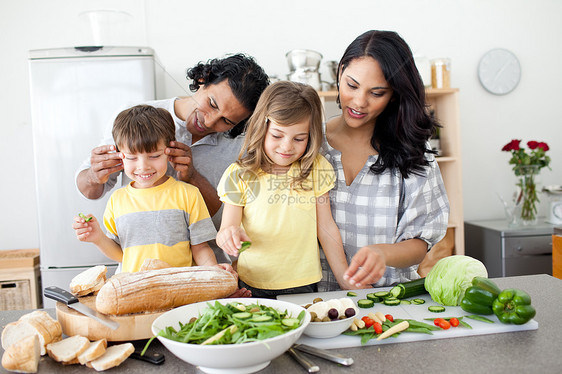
{"type": "Point", "coordinates": [499, 71]}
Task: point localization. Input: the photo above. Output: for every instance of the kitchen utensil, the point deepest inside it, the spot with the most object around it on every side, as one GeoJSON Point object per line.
{"type": "Point", "coordinates": [325, 354]}
{"type": "Point", "coordinates": [229, 358]}
{"type": "Point", "coordinates": [132, 327]}
{"type": "Point", "coordinates": [303, 58]}
{"type": "Point", "coordinates": [149, 356]}
{"type": "Point", "coordinates": [69, 299]}
{"type": "Point", "coordinates": [303, 361]}
{"type": "Point", "coordinates": [309, 77]}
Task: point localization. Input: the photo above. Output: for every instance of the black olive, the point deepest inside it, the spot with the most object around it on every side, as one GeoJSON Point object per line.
{"type": "Point", "coordinates": [333, 314]}
{"type": "Point", "coordinates": [349, 312]}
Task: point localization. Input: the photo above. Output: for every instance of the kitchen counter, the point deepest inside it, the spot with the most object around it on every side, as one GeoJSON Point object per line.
{"type": "Point", "coordinates": [515, 352]}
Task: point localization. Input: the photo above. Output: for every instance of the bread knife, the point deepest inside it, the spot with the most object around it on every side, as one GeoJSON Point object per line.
{"type": "Point", "coordinates": [325, 354]}
{"type": "Point", "coordinates": [71, 301]}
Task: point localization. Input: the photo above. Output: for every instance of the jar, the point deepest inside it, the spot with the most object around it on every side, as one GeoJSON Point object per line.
{"type": "Point", "coordinates": [441, 73]}
{"type": "Point", "coordinates": [424, 68]}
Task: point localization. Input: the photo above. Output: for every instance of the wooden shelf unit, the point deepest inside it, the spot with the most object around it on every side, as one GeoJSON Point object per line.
{"type": "Point", "coordinates": [445, 103]}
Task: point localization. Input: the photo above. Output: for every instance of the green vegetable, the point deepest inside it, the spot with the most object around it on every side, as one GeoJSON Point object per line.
{"type": "Point", "coordinates": [409, 289]}
{"type": "Point", "coordinates": [245, 245]}
{"type": "Point", "coordinates": [513, 306]}
{"type": "Point", "coordinates": [391, 301]}
{"type": "Point", "coordinates": [365, 303]}
{"type": "Point", "coordinates": [480, 318]}
{"type": "Point", "coordinates": [372, 296]}
{"type": "Point", "coordinates": [87, 219]}
{"type": "Point", "coordinates": [418, 301]}
{"type": "Point", "coordinates": [451, 276]}
{"type": "Point", "coordinates": [382, 294]}
{"type": "Point", "coordinates": [351, 294]}
{"type": "Point", "coordinates": [226, 324]}
{"type": "Point", "coordinates": [479, 297]}
{"type": "Point", "coordinates": [436, 308]}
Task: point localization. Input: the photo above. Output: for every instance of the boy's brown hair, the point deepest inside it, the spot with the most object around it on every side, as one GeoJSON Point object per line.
{"type": "Point", "coordinates": [142, 127]}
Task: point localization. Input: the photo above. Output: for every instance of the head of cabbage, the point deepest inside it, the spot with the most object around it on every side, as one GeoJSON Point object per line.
{"type": "Point", "coordinates": [451, 276]}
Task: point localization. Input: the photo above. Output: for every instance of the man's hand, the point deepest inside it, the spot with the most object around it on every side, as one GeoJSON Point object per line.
{"type": "Point", "coordinates": [181, 159]}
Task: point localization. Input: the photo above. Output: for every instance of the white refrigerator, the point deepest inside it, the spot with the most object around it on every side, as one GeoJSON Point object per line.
{"type": "Point", "coordinates": [74, 94]}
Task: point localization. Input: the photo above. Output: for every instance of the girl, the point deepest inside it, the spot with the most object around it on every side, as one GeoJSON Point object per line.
{"type": "Point", "coordinates": [389, 200]}
{"type": "Point", "coordinates": [276, 196]}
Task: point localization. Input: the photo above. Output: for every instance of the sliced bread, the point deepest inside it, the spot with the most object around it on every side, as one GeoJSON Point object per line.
{"type": "Point", "coordinates": [68, 349]}
{"type": "Point", "coordinates": [39, 323]}
{"type": "Point", "coordinates": [94, 351]}
{"type": "Point", "coordinates": [113, 356]}
{"type": "Point", "coordinates": [89, 281]}
{"type": "Point", "coordinates": [23, 356]}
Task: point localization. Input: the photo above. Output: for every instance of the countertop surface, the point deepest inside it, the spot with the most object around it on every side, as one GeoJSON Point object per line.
{"type": "Point", "coordinates": [515, 352]}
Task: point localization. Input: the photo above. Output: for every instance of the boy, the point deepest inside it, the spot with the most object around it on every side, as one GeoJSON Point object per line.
{"type": "Point", "coordinates": [155, 216]}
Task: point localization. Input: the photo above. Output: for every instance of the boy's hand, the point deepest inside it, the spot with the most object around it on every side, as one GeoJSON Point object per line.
{"type": "Point", "coordinates": [230, 239]}
{"type": "Point", "coordinates": [181, 159]}
{"type": "Point", "coordinates": [87, 231]}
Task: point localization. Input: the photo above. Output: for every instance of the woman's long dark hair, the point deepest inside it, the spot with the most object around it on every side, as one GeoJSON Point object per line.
{"type": "Point", "coordinates": [404, 127]}
{"type": "Point", "coordinates": [246, 79]}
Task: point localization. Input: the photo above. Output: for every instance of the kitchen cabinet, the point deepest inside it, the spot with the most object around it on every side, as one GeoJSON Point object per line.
{"type": "Point", "coordinates": [509, 251]}
{"type": "Point", "coordinates": [444, 102]}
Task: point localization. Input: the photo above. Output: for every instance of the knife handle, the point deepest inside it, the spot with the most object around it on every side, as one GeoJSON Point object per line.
{"type": "Point", "coordinates": [58, 294]}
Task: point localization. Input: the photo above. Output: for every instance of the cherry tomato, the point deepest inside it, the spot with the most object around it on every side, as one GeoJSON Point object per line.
{"type": "Point", "coordinates": [378, 327]}
{"type": "Point", "coordinates": [389, 317]}
{"type": "Point", "coordinates": [444, 324]}
{"type": "Point", "coordinates": [437, 321]}
{"type": "Point", "coordinates": [368, 321]}
{"type": "Point", "coordinates": [454, 322]}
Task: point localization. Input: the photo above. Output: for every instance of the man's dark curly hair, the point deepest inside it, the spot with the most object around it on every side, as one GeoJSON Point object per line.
{"type": "Point", "coordinates": [246, 79]}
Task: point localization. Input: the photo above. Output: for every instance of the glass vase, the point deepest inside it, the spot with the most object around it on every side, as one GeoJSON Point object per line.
{"type": "Point", "coordinates": [528, 193]}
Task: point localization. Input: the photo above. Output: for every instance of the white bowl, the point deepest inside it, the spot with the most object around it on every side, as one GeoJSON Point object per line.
{"type": "Point", "coordinates": [328, 329]}
{"type": "Point", "coordinates": [229, 358]}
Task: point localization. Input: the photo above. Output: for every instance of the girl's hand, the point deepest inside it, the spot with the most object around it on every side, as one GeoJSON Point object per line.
{"type": "Point", "coordinates": [87, 231]}
{"type": "Point", "coordinates": [367, 267]}
{"type": "Point", "coordinates": [230, 239]}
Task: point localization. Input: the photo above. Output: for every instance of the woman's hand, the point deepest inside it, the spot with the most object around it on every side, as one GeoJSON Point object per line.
{"type": "Point", "coordinates": [90, 231]}
{"type": "Point", "coordinates": [181, 159]}
{"type": "Point", "coordinates": [367, 267]}
{"type": "Point", "coordinates": [240, 292]}
{"type": "Point", "coordinates": [230, 239]}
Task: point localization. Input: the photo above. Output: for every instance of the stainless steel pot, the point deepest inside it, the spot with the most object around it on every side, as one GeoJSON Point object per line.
{"type": "Point", "coordinates": [300, 59]}
{"type": "Point", "coordinates": [307, 77]}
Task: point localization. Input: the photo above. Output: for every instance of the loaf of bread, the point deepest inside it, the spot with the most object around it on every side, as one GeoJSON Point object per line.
{"type": "Point", "coordinates": [23, 356]}
{"type": "Point", "coordinates": [39, 323]}
{"type": "Point", "coordinates": [155, 290]}
{"type": "Point", "coordinates": [89, 281]}
{"type": "Point", "coordinates": [154, 264]}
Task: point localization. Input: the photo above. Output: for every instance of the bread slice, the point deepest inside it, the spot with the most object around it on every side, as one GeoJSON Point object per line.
{"type": "Point", "coordinates": [68, 349]}
{"type": "Point", "coordinates": [88, 281]}
{"type": "Point", "coordinates": [95, 350]}
{"type": "Point", "coordinates": [23, 356]}
{"type": "Point", "coordinates": [113, 356]}
{"type": "Point", "coordinates": [39, 323]}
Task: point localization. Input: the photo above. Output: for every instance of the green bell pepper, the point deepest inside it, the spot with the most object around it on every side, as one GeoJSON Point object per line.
{"type": "Point", "coordinates": [513, 306]}
{"type": "Point", "coordinates": [479, 297]}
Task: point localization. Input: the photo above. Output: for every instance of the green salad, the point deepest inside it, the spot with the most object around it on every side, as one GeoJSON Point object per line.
{"type": "Point", "coordinates": [233, 323]}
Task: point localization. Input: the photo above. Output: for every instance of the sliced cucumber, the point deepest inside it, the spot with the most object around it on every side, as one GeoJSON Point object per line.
{"type": "Point", "coordinates": [351, 294]}
{"type": "Point", "coordinates": [290, 322]}
{"type": "Point", "coordinates": [418, 301]}
{"type": "Point", "coordinates": [397, 291]}
{"type": "Point", "coordinates": [405, 302]}
{"type": "Point", "coordinates": [365, 303]}
{"type": "Point", "coordinates": [436, 308]}
{"type": "Point", "coordinates": [412, 288]}
{"type": "Point", "coordinates": [382, 293]}
{"type": "Point", "coordinates": [391, 302]}
{"type": "Point", "coordinates": [372, 296]}
{"type": "Point", "coordinates": [262, 318]}
{"type": "Point", "coordinates": [242, 315]}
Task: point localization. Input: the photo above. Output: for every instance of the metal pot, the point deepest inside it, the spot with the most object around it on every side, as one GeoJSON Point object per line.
{"type": "Point", "coordinates": [307, 77]}
{"type": "Point", "coordinates": [300, 59]}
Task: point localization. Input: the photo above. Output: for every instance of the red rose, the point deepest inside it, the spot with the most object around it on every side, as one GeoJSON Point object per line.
{"type": "Point", "coordinates": [533, 144]}
{"type": "Point", "coordinates": [543, 145]}
{"type": "Point", "coordinates": [512, 145]}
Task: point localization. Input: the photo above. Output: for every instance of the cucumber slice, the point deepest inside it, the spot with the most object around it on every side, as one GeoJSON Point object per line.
{"type": "Point", "coordinates": [397, 291]}
{"type": "Point", "coordinates": [262, 318]}
{"type": "Point", "coordinates": [365, 303]}
{"type": "Point", "coordinates": [382, 293]}
{"type": "Point", "coordinates": [436, 308]}
{"type": "Point", "coordinates": [418, 301]}
{"type": "Point", "coordinates": [242, 315]}
{"type": "Point", "coordinates": [372, 296]}
{"type": "Point", "coordinates": [405, 302]}
{"type": "Point", "coordinates": [409, 289]}
{"type": "Point", "coordinates": [290, 322]}
{"type": "Point", "coordinates": [351, 294]}
{"type": "Point", "coordinates": [391, 302]}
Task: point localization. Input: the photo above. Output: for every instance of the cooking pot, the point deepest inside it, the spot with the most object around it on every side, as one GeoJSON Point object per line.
{"type": "Point", "coordinates": [300, 59]}
{"type": "Point", "coordinates": [306, 76]}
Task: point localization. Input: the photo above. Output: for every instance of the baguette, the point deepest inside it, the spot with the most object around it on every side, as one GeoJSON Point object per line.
{"type": "Point", "coordinates": [39, 323]}
{"type": "Point", "coordinates": [155, 290]}
{"type": "Point", "coordinates": [23, 356]}
{"type": "Point", "coordinates": [154, 264]}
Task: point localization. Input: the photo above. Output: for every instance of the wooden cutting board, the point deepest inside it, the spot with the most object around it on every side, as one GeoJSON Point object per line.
{"type": "Point", "coordinates": [131, 326]}
{"type": "Point", "coordinates": [416, 312]}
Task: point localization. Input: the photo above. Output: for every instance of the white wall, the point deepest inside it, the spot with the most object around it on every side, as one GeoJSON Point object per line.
{"type": "Point", "coordinates": [185, 32]}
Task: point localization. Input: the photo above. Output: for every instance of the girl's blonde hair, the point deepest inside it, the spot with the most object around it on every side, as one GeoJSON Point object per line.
{"type": "Point", "coordinates": [285, 103]}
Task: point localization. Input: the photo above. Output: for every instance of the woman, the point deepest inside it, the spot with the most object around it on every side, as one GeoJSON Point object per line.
{"type": "Point", "coordinates": [389, 201]}
{"type": "Point", "coordinates": [226, 92]}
